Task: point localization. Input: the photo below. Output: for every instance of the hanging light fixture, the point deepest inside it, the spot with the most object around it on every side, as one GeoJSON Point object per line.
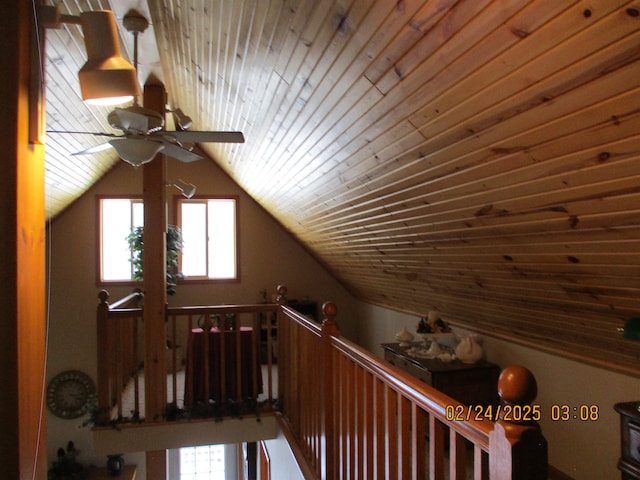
{"type": "Point", "coordinates": [187, 189]}
{"type": "Point", "coordinates": [135, 151]}
{"type": "Point", "coordinates": [106, 78]}
{"type": "Point", "coordinates": [183, 121]}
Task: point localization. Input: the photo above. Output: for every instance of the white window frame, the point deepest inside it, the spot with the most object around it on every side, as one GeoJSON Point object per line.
{"type": "Point", "coordinates": [235, 277]}
{"type": "Point", "coordinates": [101, 235]}
{"type": "Point", "coordinates": [230, 457]}
{"type": "Point", "coordinates": [206, 202]}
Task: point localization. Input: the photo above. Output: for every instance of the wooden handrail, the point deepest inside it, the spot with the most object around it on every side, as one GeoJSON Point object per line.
{"type": "Point", "coordinates": [130, 301]}
{"type": "Point", "coordinates": [375, 418]}
{"type": "Point", "coordinates": [352, 414]}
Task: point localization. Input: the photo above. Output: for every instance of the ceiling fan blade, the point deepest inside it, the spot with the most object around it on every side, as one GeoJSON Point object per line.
{"type": "Point", "coordinates": [179, 153]}
{"type": "Point", "coordinates": [96, 134]}
{"type": "Point", "coordinates": [94, 149]}
{"type": "Point", "coordinates": [203, 137]}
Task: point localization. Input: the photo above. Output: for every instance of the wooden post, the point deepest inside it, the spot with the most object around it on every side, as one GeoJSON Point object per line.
{"type": "Point", "coordinates": [329, 329]}
{"type": "Point", "coordinates": [155, 285]}
{"type": "Point", "coordinates": [154, 260]}
{"type": "Point", "coordinates": [102, 329]}
{"type": "Point", "coordinates": [517, 448]}
{"type": "Point", "coordinates": [23, 421]}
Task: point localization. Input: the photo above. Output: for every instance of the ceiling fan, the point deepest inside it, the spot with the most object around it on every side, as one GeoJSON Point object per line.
{"type": "Point", "coordinates": [142, 129]}
{"type": "Point", "coordinates": [143, 137]}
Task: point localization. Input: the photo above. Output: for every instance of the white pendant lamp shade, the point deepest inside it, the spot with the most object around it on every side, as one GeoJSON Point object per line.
{"type": "Point", "coordinates": [136, 151]}
{"type": "Point", "coordinates": [106, 78]}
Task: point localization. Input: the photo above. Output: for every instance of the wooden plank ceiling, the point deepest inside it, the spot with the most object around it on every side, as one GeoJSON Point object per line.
{"type": "Point", "coordinates": [476, 157]}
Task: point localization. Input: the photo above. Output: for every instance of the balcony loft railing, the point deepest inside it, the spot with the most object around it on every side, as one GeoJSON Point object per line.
{"type": "Point", "coordinates": [240, 348]}
{"type": "Point", "coordinates": [347, 414]}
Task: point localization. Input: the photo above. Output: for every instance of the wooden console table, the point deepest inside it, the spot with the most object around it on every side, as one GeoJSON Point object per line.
{"type": "Point", "coordinates": [629, 463]}
{"type": "Point", "coordinates": [471, 384]}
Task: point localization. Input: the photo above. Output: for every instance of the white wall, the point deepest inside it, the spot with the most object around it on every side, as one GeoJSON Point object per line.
{"type": "Point", "coordinates": [282, 463]}
{"type": "Point", "coordinates": [583, 450]}
{"type": "Point", "coordinates": [269, 256]}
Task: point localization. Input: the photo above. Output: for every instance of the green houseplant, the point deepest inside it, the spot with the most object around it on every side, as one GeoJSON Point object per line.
{"type": "Point", "coordinates": [174, 247]}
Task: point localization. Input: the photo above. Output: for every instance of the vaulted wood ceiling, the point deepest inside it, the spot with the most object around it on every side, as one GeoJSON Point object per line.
{"type": "Point", "coordinates": [476, 157]}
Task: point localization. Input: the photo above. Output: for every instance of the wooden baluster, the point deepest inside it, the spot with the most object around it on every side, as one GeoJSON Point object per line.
{"type": "Point", "coordinates": [206, 328]}
{"type": "Point", "coordinates": [437, 432]}
{"type": "Point", "coordinates": [517, 448]}
{"type": "Point", "coordinates": [255, 354]}
{"type": "Point", "coordinates": [136, 378]}
{"type": "Point", "coordinates": [117, 357]}
{"type": "Point", "coordinates": [103, 399]}
{"type": "Point", "coordinates": [284, 343]}
{"type": "Point", "coordinates": [380, 432]}
{"type": "Point", "coordinates": [236, 332]}
{"type": "Point", "coordinates": [222, 359]}
{"type": "Point", "coordinates": [457, 456]}
{"type": "Point", "coordinates": [329, 329]}
{"type": "Point", "coordinates": [174, 359]}
{"type": "Point", "coordinates": [418, 441]}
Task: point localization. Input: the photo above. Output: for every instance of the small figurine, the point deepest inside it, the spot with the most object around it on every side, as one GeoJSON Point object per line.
{"type": "Point", "coordinates": [432, 324]}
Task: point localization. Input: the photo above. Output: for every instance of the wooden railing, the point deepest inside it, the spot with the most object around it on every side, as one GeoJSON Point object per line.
{"type": "Point", "coordinates": [356, 417]}
{"type": "Point", "coordinates": [256, 316]}
{"type": "Point", "coordinates": [118, 350]}
{"type": "Point", "coordinates": [120, 356]}
{"type": "Point", "coordinates": [351, 415]}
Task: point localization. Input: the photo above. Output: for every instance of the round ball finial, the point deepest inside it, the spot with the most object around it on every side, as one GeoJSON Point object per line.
{"type": "Point", "coordinates": [517, 385]}
{"type": "Point", "coordinates": [103, 296]}
{"type": "Point", "coordinates": [329, 309]}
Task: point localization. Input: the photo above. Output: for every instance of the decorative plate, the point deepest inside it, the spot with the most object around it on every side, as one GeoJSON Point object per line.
{"type": "Point", "coordinates": [69, 394]}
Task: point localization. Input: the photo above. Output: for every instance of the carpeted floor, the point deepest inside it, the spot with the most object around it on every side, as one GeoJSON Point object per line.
{"type": "Point", "coordinates": [128, 395]}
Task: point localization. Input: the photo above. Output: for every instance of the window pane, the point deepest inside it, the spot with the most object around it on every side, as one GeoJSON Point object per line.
{"type": "Point", "coordinates": [116, 225]}
{"type": "Point", "coordinates": [222, 238]}
{"type": "Point", "coordinates": [138, 213]}
{"type": "Point", "coordinates": [202, 463]}
{"type": "Point", "coordinates": [194, 237]}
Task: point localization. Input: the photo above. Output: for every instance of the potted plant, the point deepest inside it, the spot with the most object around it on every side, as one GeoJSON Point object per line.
{"type": "Point", "coordinates": [174, 248]}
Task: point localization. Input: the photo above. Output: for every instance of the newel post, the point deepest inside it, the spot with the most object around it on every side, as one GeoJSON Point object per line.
{"type": "Point", "coordinates": [517, 448]}
{"type": "Point", "coordinates": [329, 329]}
{"type": "Point", "coordinates": [102, 331]}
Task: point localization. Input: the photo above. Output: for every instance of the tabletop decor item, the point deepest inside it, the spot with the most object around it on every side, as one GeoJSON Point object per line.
{"type": "Point", "coordinates": [67, 467]}
{"type": "Point", "coordinates": [469, 350]}
{"type": "Point", "coordinates": [404, 337]}
{"type": "Point", "coordinates": [115, 464]}
{"type": "Point", "coordinates": [431, 328]}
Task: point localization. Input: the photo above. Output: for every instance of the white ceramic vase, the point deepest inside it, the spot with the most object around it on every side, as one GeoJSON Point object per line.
{"type": "Point", "coordinates": [404, 337]}
{"type": "Point", "coordinates": [469, 350]}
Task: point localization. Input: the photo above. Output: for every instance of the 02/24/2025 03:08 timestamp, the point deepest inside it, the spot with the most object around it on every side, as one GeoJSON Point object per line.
{"type": "Point", "coordinates": [523, 413]}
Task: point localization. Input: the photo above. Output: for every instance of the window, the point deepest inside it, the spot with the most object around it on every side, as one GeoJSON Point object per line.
{"type": "Point", "coordinates": [202, 463]}
{"type": "Point", "coordinates": [206, 462]}
{"type": "Point", "coordinates": [118, 217]}
{"type": "Point", "coordinates": [209, 233]}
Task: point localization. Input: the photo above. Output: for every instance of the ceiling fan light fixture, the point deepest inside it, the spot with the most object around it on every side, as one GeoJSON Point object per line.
{"type": "Point", "coordinates": [136, 151]}
{"type": "Point", "coordinates": [106, 78]}
{"type": "Point", "coordinates": [188, 190]}
{"type": "Point", "coordinates": [182, 120]}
